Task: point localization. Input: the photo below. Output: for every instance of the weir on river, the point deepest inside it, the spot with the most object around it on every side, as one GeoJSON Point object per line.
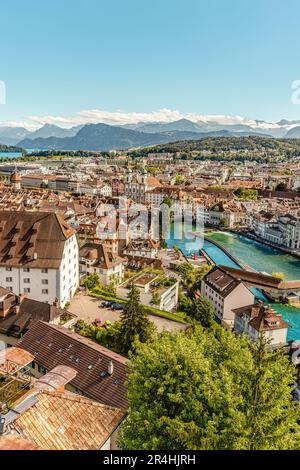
{"type": "Point", "coordinates": [248, 253]}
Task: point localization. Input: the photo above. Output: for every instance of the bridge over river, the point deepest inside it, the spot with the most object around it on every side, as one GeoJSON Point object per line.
{"type": "Point", "coordinates": [250, 255]}
{"type": "Point", "coordinates": [276, 288]}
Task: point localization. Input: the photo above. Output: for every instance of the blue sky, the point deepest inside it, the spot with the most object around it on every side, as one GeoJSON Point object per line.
{"type": "Point", "coordinates": [231, 57]}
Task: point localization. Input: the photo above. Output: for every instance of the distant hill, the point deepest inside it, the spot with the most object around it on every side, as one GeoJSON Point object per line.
{"type": "Point", "coordinates": [293, 133]}
{"type": "Point", "coordinates": [104, 137]}
{"type": "Point", "coordinates": [9, 149]}
{"type": "Point", "coordinates": [183, 125]}
{"type": "Point", "coordinates": [50, 130]}
{"type": "Point", "coordinates": [12, 135]}
{"type": "Point", "coordinates": [246, 145]}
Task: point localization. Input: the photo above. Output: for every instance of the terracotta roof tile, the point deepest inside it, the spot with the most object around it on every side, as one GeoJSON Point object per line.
{"type": "Point", "coordinates": [22, 234]}
{"type": "Point", "coordinates": [67, 422]}
{"type": "Point", "coordinates": [52, 346]}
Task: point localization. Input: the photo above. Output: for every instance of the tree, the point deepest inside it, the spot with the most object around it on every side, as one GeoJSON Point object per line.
{"type": "Point", "coordinates": [155, 298]}
{"type": "Point", "coordinates": [91, 281]}
{"type": "Point", "coordinates": [203, 312]}
{"type": "Point", "coordinates": [279, 275]}
{"type": "Point", "coordinates": [250, 194]}
{"type": "Point", "coordinates": [168, 201]}
{"type": "Point", "coordinates": [135, 324]}
{"type": "Point", "coordinates": [185, 304]}
{"type": "Point", "coordinates": [179, 179]}
{"type": "Point", "coordinates": [191, 277]}
{"type": "Point", "coordinates": [213, 391]}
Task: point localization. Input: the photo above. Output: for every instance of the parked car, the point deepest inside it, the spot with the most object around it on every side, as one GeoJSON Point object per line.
{"type": "Point", "coordinates": [106, 303]}
{"type": "Point", "coordinates": [117, 306]}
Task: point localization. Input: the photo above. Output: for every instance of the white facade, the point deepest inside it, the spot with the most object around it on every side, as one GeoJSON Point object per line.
{"type": "Point", "coordinates": [112, 275]}
{"type": "Point", "coordinates": [284, 230]}
{"type": "Point", "coordinates": [105, 190]}
{"type": "Point", "coordinates": [239, 297]}
{"type": "Point", "coordinates": [277, 337]}
{"type": "Point", "coordinates": [45, 284]}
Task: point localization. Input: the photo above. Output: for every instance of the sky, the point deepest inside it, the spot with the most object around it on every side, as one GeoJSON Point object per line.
{"type": "Point", "coordinates": [74, 61]}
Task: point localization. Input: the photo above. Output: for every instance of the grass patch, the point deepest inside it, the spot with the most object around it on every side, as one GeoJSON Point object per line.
{"type": "Point", "coordinates": [179, 317]}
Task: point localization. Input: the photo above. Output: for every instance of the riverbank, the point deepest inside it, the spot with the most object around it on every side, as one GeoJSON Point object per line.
{"type": "Point", "coordinates": [252, 236]}
{"type": "Point", "coordinates": [255, 255]}
{"type": "Point", "coordinates": [234, 250]}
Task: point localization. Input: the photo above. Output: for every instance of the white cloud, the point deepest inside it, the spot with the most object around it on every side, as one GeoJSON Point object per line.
{"type": "Point", "coordinates": [120, 117]}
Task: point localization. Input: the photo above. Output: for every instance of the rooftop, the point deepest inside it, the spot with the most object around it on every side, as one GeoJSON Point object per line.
{"type": "Point", "coordinates": [53, 346]}
{"type": "Point", "coordinates": [64, 421]}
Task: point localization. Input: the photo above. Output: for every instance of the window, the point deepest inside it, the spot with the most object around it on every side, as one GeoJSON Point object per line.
{"type": "Point", "coordinates": [9, 279]}
{"type": "Point", "coordinates": [44, 291]}
{"type": "Point", "coordinates": [9, 288]}
{"type": "Point", "coordinates": [26, 280]}
{"type": "Point", "coordinates": [26, 290]}
{"type": "Point", "coordinates": [8, 269]}
{"type": "Point", "coordinates": [41, 369]}
{"type": "Point", "coordinates": [44, 281]}
{"type": "Point", "coordinates": [26, 270]}
{"type": "Point", "coordinates": [44, 270]}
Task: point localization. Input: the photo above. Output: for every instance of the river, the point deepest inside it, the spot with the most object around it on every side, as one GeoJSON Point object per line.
{"type": "Point", "coordinates": [256, 255]}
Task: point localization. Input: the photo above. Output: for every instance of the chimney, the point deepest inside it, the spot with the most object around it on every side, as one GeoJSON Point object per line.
{"type": "Point", "coordinates": [110, 368]}
{"type": "Point", "coordinates": [35, 255]}
{"type": "Point", "coordinates": [56, 302]}
{"type": "Point", "coordinates": [21, 298]}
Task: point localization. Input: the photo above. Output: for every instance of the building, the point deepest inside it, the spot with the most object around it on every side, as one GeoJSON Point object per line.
{"type": "Point", "coordinates": [281, 229]}
{"type": "Point", "coordinates": [101, 373]}
{"type": "Point", "coordinates": [15, 181]}
{"type": "Point", "coordinates": [136, 187]}
{"type": "Point", "coordinates": [261, 320]}
{"type": "Point", "coordinates": [98, 259]}
{"type": "Point", "coordinates": [38, 256]}
{"type": "Point", "coordinates": [117, 187]}
{"type": "Point", "coordinates": [227, 215]}
{"type": "Point", "coordinates": [165, 290]}
{"type": "Point", "coordinates": [17, 313]}
{"type": "Point", "coordinates": [142, 248]}
{"type": "Point", "coordinates": [104, 189]}
{"type": "Point", "coordinates": [226, 293]}
{"type": "Point", "coordinates": [41, 415]}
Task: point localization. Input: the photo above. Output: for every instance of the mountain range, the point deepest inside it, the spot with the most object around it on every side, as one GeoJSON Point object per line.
{"type": "Point", "coordinates": [13, 135]}
{"type": "Point", "coordinates": [112, 137]}
{"type": "Point", "coordinates": [103, 137]}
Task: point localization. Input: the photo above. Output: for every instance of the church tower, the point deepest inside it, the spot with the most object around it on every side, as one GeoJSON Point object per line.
{"type": "Point", "coordinates": [15, 180]}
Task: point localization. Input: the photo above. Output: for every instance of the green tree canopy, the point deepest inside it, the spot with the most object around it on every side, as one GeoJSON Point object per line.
{"type": "Point", "coordinates": [135, 324]}
{"type": "Point", "coordinates": [91, 281]}
{"type": "Point", "coordinates": [210, 390]}
{"type": "Point", "coordinates": [191, 277]}
{"type": "Point", "coordinates": [203, 312]}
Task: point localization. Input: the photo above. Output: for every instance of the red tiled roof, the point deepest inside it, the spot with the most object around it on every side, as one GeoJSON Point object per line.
{"type": "Point", "coordinates": [64, 421]}
{"type": "Point", "coordinates": [25, 234]}
{"type": "Point", "coordinates": [53, 346]}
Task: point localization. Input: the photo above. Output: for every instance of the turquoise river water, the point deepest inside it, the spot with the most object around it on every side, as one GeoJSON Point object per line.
{"type": "Point", "coordinates": [253, 254]}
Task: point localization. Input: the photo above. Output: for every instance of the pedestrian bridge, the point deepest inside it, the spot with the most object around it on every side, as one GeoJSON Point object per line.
{"type": "Point", "coordinates": [277, 288]}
